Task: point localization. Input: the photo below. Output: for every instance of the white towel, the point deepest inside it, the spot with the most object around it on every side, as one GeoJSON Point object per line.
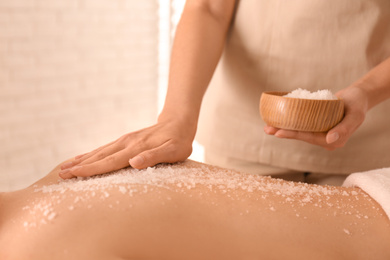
{"type": "Point", "coordinates": [375, 183]}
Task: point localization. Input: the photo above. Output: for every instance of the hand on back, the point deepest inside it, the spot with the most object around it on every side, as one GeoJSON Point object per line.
{"type": "Point", "coordinates": [164, 142]}
{"type": "Point", "coordinates": [355, 103]}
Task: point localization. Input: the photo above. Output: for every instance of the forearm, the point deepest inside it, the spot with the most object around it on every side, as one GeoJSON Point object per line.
{"type": "Point", "coordinates": [376, 84]}
{"type": "Point", "coordinates": [197, 48]}
{"type": "Point", "coordinates": [196, 51]}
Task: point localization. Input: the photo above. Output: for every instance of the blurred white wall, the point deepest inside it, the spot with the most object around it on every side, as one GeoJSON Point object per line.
{"type": "Point", "coordinates": [74, 75]}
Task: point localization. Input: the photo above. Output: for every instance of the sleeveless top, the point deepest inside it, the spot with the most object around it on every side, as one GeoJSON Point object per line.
{"type": "Point", "coordinates": [277, 45]}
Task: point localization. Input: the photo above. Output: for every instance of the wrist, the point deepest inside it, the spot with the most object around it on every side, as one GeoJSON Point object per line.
{"type": "Point", "coordinates": [179, 111]}
{"type": "Point", "coordinates": [188, 121]}
{"type": "Point", "coordinates": [370, 95]}
{"type": "Point", "coordinates": [356, 98]}
{"type": "Point", "coordinates": [376, 84]}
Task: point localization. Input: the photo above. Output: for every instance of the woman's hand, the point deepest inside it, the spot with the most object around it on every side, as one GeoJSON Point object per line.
{"type": "Point", "coordinates": [167, 142]}
{"type": "Point", "coordinates": [197, 48]}
{"type": "Point", "coordinates": [355, 109]}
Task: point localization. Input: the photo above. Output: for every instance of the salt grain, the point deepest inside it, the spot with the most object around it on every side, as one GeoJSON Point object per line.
{"type": "Point", "coordinates": [46, 212]}
{"type": "Point", "coordinates": [122, 189]}
{"type": "Point", "coordinates": [51, 216]}
{"type": "Point", "coordinates": [305, 94]}
{"type": "Point", "coordinates": [177, 178]}
{"type": "Point", "coordinates": [346, 231]}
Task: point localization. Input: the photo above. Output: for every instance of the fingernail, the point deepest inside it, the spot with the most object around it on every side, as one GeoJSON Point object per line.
{"type": "Point", "coordinates": [66, 165]}
{"type": "Point", "coordinates": [75, 168]}
{"type": "Point", "coordinates": [65, 171]}
{"type": "Point", "coordinates": [332, 138]}
{"type": "Point", "coordinates": [283, 134]}
{"type": "Point", "coordinates": [280, 135]}
{"type": "Point", "coordinates": [136, 161]}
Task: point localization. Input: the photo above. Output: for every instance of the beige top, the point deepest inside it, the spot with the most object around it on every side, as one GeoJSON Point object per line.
{"type": "Point", "coordinates": [285, 45]}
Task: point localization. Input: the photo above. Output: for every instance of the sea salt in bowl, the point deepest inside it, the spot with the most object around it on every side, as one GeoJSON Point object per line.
{"type": "Point", "coordinates": [302, 110]}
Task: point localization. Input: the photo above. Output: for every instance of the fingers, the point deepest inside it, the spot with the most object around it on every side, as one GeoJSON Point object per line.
{"type": "Point", "coordinates": [68, 173]}
{"type": "Point", "coordinates": [78, 167]}
{"type": "Point", "coordinates": [337, 137]}
{"type": "Point", "coordinates": [163, 142]}
{"type": "Point", "coordinates": [142, 157]}
{"type": "Point", "coordinates": [80, 158]}
{"type": "Point", "coordinates": [309, 137]}
{"type": "Point", "coordinates": [99, 154]}
{"type": "Point", "coordinates": [329, 140]}
{"type": "Point", "coordinates": [270, 130]}
{"type": "Point", "coordinates": [167, 153]}
{"type": "Point", "coordinates": [332, 137]}
{"type": "Point", "coordinates": [110, 163]}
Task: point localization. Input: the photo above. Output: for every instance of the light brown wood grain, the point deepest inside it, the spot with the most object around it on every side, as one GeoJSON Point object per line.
{"type": "Point", "coordinates": [300, 114]}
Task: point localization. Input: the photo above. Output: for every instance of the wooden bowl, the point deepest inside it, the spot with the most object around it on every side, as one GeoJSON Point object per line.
{"type": "Point", "coordinates": [310, 115]}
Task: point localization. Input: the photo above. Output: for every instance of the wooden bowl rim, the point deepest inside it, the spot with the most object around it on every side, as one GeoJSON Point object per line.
{"type": "Point", "coordinates": [282, 93]}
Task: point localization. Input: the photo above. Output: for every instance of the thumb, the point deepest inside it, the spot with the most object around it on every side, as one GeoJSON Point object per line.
{"type": "Point", "coordinates": [138, 162]}
{"type": "Point", "coordinates": [340, 134]}
{"type": "Point", "coordinates": [166, 153]}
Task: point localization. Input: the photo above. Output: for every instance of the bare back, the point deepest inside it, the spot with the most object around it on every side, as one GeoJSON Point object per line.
{"type": "Point", "coordinates": [190, 211]}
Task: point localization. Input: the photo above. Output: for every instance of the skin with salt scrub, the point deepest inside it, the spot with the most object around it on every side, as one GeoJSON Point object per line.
{"type": "Point", "coordinates": [189, 211]}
